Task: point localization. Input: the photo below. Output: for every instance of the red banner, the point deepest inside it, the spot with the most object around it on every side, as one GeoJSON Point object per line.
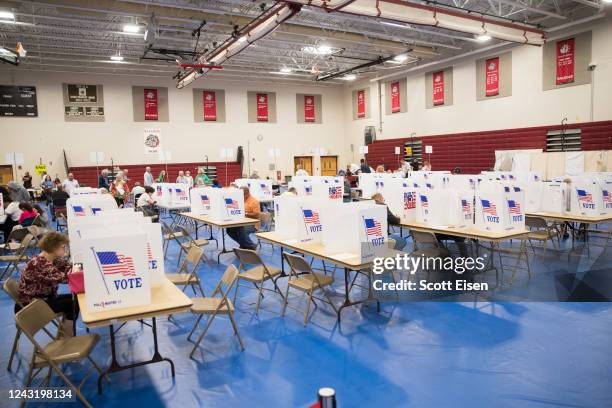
{"type": "Point", "coordinates": [309, 108]}
{"type": "Point", "coordinates": [361, 113]}
{"type": "Point", "coordinates": [492, 77]}
{"type": "Point", "coordinates": [395, 97]}
{"type": "Point", "coordinates": [565, 61]}
{"type": "Point", "coordinates": [210, 106]}
{"type": "Point", "coordinates": [150, 104]}
{"type": "Point", "coordinates": [438, 88]}
{"type": "Point", "coordinates": [262, 107]}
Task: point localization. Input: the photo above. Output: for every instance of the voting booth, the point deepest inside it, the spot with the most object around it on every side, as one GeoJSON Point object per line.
{"type": "Point", "coordinates": [553, 197]}
{"type": "Point", "coordinates": [226, 204]}
{"type": "Point", "coordinates": [261, 189]}
{"type": "Point", "coordinates": [323, 187]}
{"type": "Point", "coordinates": [590, 198]}
{"type": "Point", "coordinates": [298, 218]}
{"type": "Point", "coordinates": [400, 196]}
{"type": "Point", "coordinates": [355, 229]}
{"type": "Point", "coordinates": [89, 205]}
{"type": "Point", "coordinates": [171, 193]}
{"type": "Point", "coordinates": [500, 207]}
{"type": "Point", "coordinates": [200, 200]}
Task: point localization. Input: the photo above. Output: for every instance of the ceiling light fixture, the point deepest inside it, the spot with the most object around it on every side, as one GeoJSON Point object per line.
{"type": "Point", "coordinates": [483, 37]}
{"type": "Point", "coordinates": [116, 58]}
{"type": "Point", "coordinates": [400, 58]}
{"type": "Point", "coordinates": [131, 28]}
{"type": "Point", "coordinates": [285, 70]}
{"type": "Point", "coordinates": [349, 77]}
{"type": "Point", "coordinates": [7, 15]}
{"type": "Point", "coordinates": [242, 39]}
{"type": "Point", "coordinates": [398, 25]}
{"type": "Point", "coordinates": [320, 50]}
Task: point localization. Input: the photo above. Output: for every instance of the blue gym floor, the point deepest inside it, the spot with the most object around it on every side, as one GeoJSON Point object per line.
{"type": "Point", "coordinates": [411, 354]}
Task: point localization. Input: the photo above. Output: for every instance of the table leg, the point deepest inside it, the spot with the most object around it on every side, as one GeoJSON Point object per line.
{"type": "Point", "coordinates": [223, 250]}
{"type": "Point", "coordinates": [347, 301]}
{"type": "Point", "coordinates": [282, 261]}
{"type": "Point", "coordinates": [115, 366]}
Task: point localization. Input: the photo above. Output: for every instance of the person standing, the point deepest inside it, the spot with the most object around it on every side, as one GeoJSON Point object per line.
{"type": "Point", "coordinates": [162, 177]}
{"type": "Point", "coordinates": [148, 177]}
{"type": "Point", "coordinates": [201, 178]}
{"type": "Point", "coordinates": [188, 179]}
{"type": "Point", "coordinates": [300, 172]}
{"type": "Point", "coordinates": [27, 180]}
{"type": "Point", "coordinates": [18, 193]}
{"type": "Point", "coordinates": [181, 177]}
{"type": "Point", "coordinates": [70, 183]}
{"type": "Point", "coordinates": [364, 167]}
{"type": "Point", "coordinates": [103, 179]}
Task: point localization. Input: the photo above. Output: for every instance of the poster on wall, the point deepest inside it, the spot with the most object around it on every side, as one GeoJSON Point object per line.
{"type": "Point", "coordinates": [361, 113]}
{"type": "Point", "coordinates": [83, 103]}
{"type": "Point", "coordinates": [565, 61]}
{"type": "Point", "coordinates": [438, 88]}
{"type": "Point", "coordinates": [492, 77]}
{"type": "Point", "coordinates": [395, 97]}
{"type": "Point", "coordinates": [309, 108]}
{"type": "Point", "coordinates": [18, 101]}
{"type": "Point", "coordinates": [152, 141]}
{"type": "Point", "coordinates": [151, 111]}
{"type": "Point", "coordinates": [262, 107]}
{"type": "Point", "coordinates": [210, 106]}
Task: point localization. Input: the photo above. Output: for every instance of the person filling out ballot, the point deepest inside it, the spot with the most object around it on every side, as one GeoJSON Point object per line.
{"type": "Point", "coordinates": [242, 234]}
{"type": "Point", "coordinates": [42, 276]}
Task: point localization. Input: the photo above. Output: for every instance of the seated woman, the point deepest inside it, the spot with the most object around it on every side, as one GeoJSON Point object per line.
{"type": "Point", "coordinates": [43, 274]}
{"type": "Point", "coordinates": [392, 219]}
{"type": "Point", "coordinates": [28, 214]}
{"type": "Point", "coordinates": [120, 192]}
{"type": "Point", "coordinates": [43, 217]}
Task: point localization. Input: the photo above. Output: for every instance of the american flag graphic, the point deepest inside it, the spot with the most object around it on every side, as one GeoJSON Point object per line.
{"type": "Point", "coordinates": [428, 185]}
{"type": "Point", "coordinates": [265, 188]}
{"type": "Point", "coordinates": [424, 202]}
{"type": "Point", "coordinates": [231, 203]}
{"type": "Point", "coordinates": [606, 196]}
{"type": "Point", "coordinates": [335, 192]}
{"type": "Point", "coordinates": [517, 189]}
{"type": "Point", "coordinates": [511, 177]}
{"type": "Point", "coordinates": [409, 201]}
{"type": "Point", "coordinates": [308, 190]}
{"type": "Point", "coordinates": [95, 210]}
{"type": "Point", "coordinates": [311, 217]}
{"type": "Point", "coordinates": [149, 252]}
{"type": "Point", "coordinates": [488, 207]}
{"type": "Point", "coordinates": [114, 263]}
{"type": "Point", "coordinates": [514, 207]}
{"type": "Point", "coordinates": [158, 190]}
{"type": "Point", "coordinates": [205, 200]}
{"type": "Point", "coordinates": [373, 227]}
{"type": "Point", "coordinates": [180, 193]}
{"type": "Point", "coordinates": [585, 197]}
{"type": "Point", "coordinates": [78, 210]}
{"type": "Point", "coordinates": [465, 206]}
{"type": "Point", "coordinates": [507, 189]}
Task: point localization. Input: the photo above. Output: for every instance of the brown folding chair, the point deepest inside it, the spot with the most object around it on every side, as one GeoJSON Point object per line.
{"type": "Point", "coordinates": [257, 275]}
{"type": "Point", "coordinates": [304, 279]}
{"type": "Point", "coordinates": [188, 242]}
{"type": "Point", "coordinates": [168, 236]}
{"type": "Point", "coordinates": [187, 277]}
{"type": "Point", "coordinates": [19, 256]}
{"type": "Point", "coordinates": [265, 225]}
{"type": "Point", "coordinates": [539, 230]}
{"type": "Point", "coordinates": [13, 243]}
{"type": "Point", "coordinates": [217, 303]}
{"type": "Point", "coordinates": [35, 317]}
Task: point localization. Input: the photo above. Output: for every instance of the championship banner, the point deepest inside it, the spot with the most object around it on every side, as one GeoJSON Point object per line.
{"type": "Point", "coordinates": [438, 88]}
{"type": "Point", "coordinates": [150, 104]}
{"type": "Point", "coordinates": [210, 106]}
{"type": "Point", "coordinates": [492, 77]}
{"type": "Point", "coordinates": [361, 113]}
{"type": "Point", "coordinates": [309, 108]}
{"type": "Point", "coordinates": [262, 107]}
{"type": "Point", "coordinates": [395, 97]}
{"type": "Point", "coordinates": [565, 61]}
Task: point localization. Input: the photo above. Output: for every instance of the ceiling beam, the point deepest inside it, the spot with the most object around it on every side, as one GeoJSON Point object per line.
{"type": "Point", "coordinates": [533, 9]}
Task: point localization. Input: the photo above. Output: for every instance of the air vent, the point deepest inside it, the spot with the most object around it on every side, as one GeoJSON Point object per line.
{"type": "Point", "coordinates": [568, 140]}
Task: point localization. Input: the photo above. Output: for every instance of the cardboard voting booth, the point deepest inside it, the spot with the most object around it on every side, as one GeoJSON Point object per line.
{"type": "Point", "coordinates": [432, 207]}
{"type": "Point", "coordinates": [591, 199]}
{"type": "Point", "coordinates": [400, 196]}
{"type": "Point", "coordinates": [80, 191]}
{"type": "Point", "coordinates": [89, 205]}
{"type": "Point", "coordinates": [330, 190]}
{"type": "Point", "coordinates": [554, 198]}
{"type": "Point", "coordinates": [261, 189]}
{"type": "Point", "coordinates": [355, 229]}
{"type": "Point", "coordinates": [461, 208]}
{"type": "Point", "coordinates": [227, 204]}
{"type": "Point", "coordinates": [462, 181]}
{"type": "Point", "coordinates": [533, 196]}
{"type": "Point", "coordinates": [115, 271]}
{"type": "Point", "coordinates": [171, 193]}
{"type": "Point", "coordinates": [500, 207]}
{"type": "Point", "coordinates": [298, 218]}
{"type": "Point", "coordinates": [201, 199]}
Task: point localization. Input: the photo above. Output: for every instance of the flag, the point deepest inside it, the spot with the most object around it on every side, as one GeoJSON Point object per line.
{"type": "Point", "coordinates": [308, 190]}
{"type": "Point", "coordinates": [584, 196]}
{"type": "Point", "coordinates": [158, 191]}
{"type": "Point", "coordinates": [488, 207]}
{"type": "Point", "coordinates": [205, 200]}
{"type": "Point", "coordinates": [373, 227]}
{"type": "Point", "coordinates": [424, 202]}
{"type": "Point", "coordinates": [335, 193]}
{"type": "Point", "coordinates": [231, 203]}
{"type": "Point", "coordinates": [114, 263]}
{"type": "Point", "coordinates": [264, 187]}
{"type": "Point", "coordinates": [428, 185]}
{"type": "Point", "coordinates": [606, 196]}
{"type": "Point", "coordinates": [311, 217]}
{"type": "Point", "coordinates": [514, 207]}
{"type": "Point", "coordinates": [180, 193]}
{"type": "Point", "coordinates": [95, 210]}
{"type": "Point", "coordinates": [517, 189]}
{"type": "Point", "coordinates": [149, 252]}
{"type": "Point", "coordinates": [78, 210]}
{"type": "Point", "coordinates": [465, 206]}
{"type": "Point", "coordinates": [409, 201]}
